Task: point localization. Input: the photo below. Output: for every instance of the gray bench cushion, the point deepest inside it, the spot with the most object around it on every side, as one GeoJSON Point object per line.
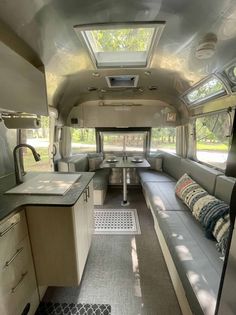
{"type": "Point", "coordinates": [224, 187]}
{"type": "Point", "coordinates": [100, 179]}
{"type": "Point", "coordinates": [202, 174]}
{"type": "Point", "coordinates": [196, 259]}
{"type": "Point", "coordinates": [161, 196]}
{"type": "Point", "coordinates": [148, 175]}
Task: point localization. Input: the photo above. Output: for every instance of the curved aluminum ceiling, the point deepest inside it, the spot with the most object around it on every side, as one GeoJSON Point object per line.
{"type": "Point", "coordinates": [47, 27]}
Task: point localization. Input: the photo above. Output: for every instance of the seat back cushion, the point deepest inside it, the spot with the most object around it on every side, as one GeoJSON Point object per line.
{"type": "Point", "coordinates": [202, 174]}
{"type": "Point", "coordinates": [172, 165]}
{"type": "Point", "coordinates": [75, 163]}
{"type": "Point", "coordinates": [224, 187]}
{"type": "Point", "coordinates": [95, 159]}
{"type": "Point", "coordinates": [155, 162]}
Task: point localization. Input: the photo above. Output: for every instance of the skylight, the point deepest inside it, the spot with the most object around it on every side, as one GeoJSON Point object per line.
{"type": "Point", "coordinates": [206, 90]}
{"type": "Point", "coordinates": [120, 45]}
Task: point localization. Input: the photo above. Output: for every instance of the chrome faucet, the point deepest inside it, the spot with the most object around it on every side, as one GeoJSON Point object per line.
{"type": "Point", "coordinates": [19, 171]}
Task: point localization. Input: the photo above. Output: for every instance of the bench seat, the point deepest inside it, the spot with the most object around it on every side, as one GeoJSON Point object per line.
{"type": "Point", "coordinates": [193, 261]}
{"type": "Point", "coordinates": [161, 196]}
{"type": "Point", "coordinates": [148, 175]}
{"type": "Point", "coordinates": [196, 259]}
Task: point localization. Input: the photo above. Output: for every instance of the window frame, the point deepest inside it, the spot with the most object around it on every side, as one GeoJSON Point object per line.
{"type": "Point", "coordinates": [100, 130]}
{"type": "Point", "coordinates": [194, 156]}
{"type": "Point", "coordinates": [96, 142]}
{"type": "Point", "coordinates": [81, 30]}
{"type": "Point", "coordinates": [201, 101]}
{"type": "Point", "coordinates": [163, 127]}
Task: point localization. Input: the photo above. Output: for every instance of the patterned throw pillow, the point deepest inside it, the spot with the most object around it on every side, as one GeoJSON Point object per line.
{"type": "Point", "coordinates": [221, 233]}
{"type": "Point", "coordinates": [95, 162]}
{"type": "Point", "coordinates": [205, 208]}
{"type": "Point", "coordinates": [189, 191]}
{"type": "Point", "coordinates": [155, 163]}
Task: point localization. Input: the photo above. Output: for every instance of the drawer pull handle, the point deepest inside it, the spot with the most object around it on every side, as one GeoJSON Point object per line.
{"type": "Point", "coordinates": [13, 290]}
{"type": "Point", "coordinates": [88, 192]}
{"type": "Point", "coordinates": [8, 228]}
{"type": "Point", "coordinates": [86, 196]}
{"type": "Point", "coordinates": [14, 257]}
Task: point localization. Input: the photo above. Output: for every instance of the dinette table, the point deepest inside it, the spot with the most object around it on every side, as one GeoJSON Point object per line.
{"type": "Point", "coordinates": [125, 163]}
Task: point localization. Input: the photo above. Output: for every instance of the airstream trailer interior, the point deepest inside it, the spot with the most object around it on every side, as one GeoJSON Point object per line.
{"type": "Point", "coordinates": [118, 157]}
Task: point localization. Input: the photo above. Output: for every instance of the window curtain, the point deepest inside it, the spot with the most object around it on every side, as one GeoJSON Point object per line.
{"type": "Point", "coordinates": [181, 140]}
{"type": "Point", "coordinates": [65, 143]}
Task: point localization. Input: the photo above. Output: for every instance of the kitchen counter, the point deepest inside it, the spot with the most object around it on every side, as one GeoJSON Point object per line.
{"type": "Point", "coordinates": [11, 202]}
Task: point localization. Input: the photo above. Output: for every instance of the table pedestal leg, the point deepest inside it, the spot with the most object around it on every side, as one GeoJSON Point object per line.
{"type": "Point", "coordinates": [125, 201]}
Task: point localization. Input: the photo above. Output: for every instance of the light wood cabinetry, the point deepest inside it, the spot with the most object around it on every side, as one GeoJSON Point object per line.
{"type": "Point", "coordinates": [61, 238]}
{"type": "Point", "coordinates": [17, 276]}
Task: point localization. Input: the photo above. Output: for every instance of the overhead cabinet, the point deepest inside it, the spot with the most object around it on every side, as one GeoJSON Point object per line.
{"type": "Point", "coordinates": [22, 86]}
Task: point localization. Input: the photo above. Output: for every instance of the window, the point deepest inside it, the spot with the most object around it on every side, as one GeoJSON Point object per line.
{"type": "Point", "coordinates": [120, 141]}
{"type": "Point", "coordinates": [120, 45]}
{"type": "Point", "coordinates": [83, 140]}
{"type": "Point", "coordinates": [213, 139]}
{"type": "Point", "coordinates": [231, 74]}
{"type": "Point", "coordinates": [39, 139]}
{"type": "Point", "coordinates": [163, 139]}
{"type": "Point", "coordinates": [208, 89]}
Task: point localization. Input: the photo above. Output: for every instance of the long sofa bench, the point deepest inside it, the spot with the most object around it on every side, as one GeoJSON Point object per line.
{"type": "Point", "coordinates": [194, 263]}
{"type": "Point", "coordinates": [80, 163]}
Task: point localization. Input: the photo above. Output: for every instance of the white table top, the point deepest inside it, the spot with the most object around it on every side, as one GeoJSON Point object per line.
{"type": "Point", "coordinates": [125, 163]}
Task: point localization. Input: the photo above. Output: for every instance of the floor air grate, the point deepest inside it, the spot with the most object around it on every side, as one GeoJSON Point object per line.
{"type": "Point", "coordinates": [50, 308]}
{"type": "Point", "coordinates": [116, 221]}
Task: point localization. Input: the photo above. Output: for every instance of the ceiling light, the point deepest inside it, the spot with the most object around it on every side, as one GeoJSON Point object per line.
{"type": "Point", "coordinates": [152, 88]}
{"type": "Point", "coordinates": [96, 74]}
{"type": "Point", "coordinates": [92, 88]}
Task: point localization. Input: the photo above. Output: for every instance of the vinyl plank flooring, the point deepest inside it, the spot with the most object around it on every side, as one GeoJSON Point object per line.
{"type": "Point", "coordinates": [126, 271]}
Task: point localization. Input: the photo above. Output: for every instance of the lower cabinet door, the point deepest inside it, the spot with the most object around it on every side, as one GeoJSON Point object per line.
{"type": "Point", "coordinates": [81, 232]}
{"type": "Point", "coordinates": [90, 213]}
{"type": "Point", "coordinates": [18, 283]}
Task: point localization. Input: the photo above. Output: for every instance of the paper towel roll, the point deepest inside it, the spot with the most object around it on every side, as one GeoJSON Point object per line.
{"type": "Point", "coordinates": [21, 123]}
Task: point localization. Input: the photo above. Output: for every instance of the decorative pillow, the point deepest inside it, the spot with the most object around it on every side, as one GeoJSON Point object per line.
{"type": "Point", "coordinates": [95, 162]}
{"type": "Point", "coordinates": [155, 163]}
{"type": "Point", "coordinates": [205, 208]}
{"type": "Point", "coordinates": [214, 210]}
{"type": "Point", "coordinates": [221, 233]}
{"type": "Point", "coordinates": [189, 191]}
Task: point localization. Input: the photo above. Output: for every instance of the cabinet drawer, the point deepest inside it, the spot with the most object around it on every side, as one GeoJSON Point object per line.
{"type": "Point", "coordinates": [12, 231]}
{"type": "Point", "coordinates": [17, 281]}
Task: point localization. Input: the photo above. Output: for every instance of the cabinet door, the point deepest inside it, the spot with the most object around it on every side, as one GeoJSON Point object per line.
{"type": "Point", "coordinates": [90, 212]}
{"type": "Point", "coordinates": [81, 231]}
{"type": "Point", "coordinates": [17, 282]}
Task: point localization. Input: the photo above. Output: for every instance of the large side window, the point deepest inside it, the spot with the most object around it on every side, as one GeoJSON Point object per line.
{"type": "Point", "coordinates": [83, 140]}
{"type": "Point", "coordinates": [213, 135]}
{"type": "Point", "coordinates": [163, 139]}
{"type": "Point", "coordinates": [39, 139]}
{"type": "Point", "coordinates": [124, 141]}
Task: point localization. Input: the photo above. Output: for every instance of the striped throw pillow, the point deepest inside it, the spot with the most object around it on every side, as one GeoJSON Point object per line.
{"type": "Point", "coordinates": [221, 233]}
{"type": "Point", "coordinates": [189, 191]}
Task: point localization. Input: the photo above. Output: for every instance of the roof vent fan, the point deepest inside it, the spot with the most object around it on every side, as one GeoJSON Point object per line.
{"type": "Point", "coordinates": [207, 46]}
{"type": "Point", "coordinates": [124, 81]}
